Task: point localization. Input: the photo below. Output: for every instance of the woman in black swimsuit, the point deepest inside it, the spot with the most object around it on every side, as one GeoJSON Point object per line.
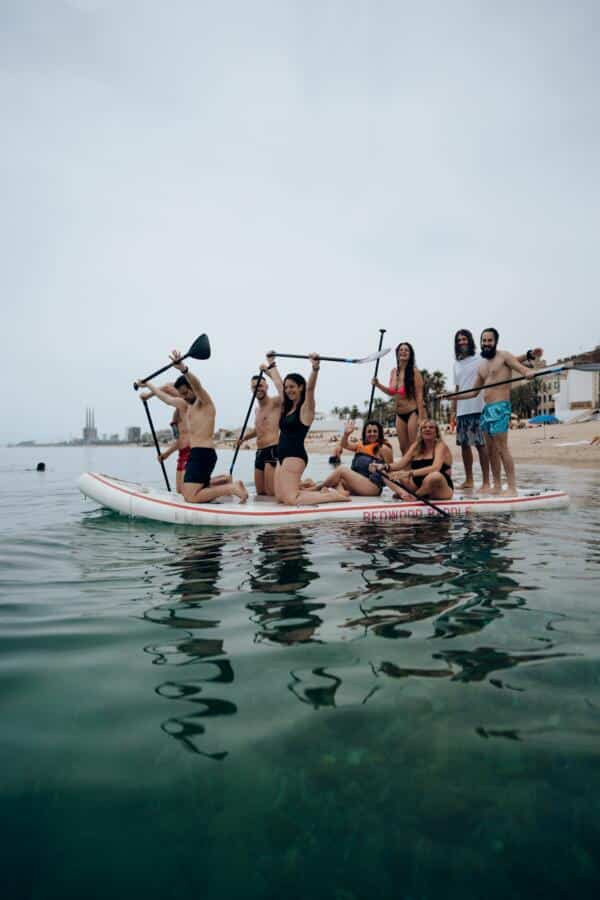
{"type": "Point", "coordinates": [406, 385]}
{"type": "Point", "coordinates": [297, 416]}
{"type": "Point", "coordinates": [425, 468]}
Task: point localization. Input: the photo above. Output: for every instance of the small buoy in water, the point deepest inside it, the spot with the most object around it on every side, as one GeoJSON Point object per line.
{"type": "Point", "coordinates": [41, 467]}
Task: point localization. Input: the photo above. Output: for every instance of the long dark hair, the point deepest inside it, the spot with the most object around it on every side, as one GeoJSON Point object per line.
{"type": "Point", "coordinates": [469, 337]}
{"type": "Point", "coordinates": [287, 403]}
{"type": "Point", "coordinates": [409, 372]}
{"type": "Point", "coordinates": [380, 434]}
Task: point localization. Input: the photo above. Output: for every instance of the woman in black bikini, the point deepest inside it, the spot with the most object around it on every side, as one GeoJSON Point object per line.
{"type": "Point", "coordinates": [425, 468]}
{"type": "Point", "coordinates": [297, 416]}
{"type": "Point", "coordinates": [406, 385]}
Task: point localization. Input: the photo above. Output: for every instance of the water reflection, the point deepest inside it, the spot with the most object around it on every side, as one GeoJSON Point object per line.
{"type": "Point", "coordinates": [198, 568]}
{"type": "Point", "coordinates": [283, 566]}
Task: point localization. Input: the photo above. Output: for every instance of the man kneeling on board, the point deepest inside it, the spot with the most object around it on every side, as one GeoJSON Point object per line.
{"type": "Point", "coordinates": [198, 486]}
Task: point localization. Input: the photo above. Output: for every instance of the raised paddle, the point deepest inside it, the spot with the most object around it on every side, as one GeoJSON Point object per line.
{"type": "Point", "coordinates": [408, 490]}
{"type": "Point", "coordinates": [342, 359]}
{"type": "Point", "coordinates": [259, 378]}
{"type": "Point", "coordinates": [151, 424]}
{"type": "Point", "coordinates": [579, 367]}
{"type": "Point", "coordinates": [381, 334]}
{"type": "Point", "coordinates": [200, 349]}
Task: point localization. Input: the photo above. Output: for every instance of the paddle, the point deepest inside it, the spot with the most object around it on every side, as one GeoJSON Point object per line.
{"type": "Point", "coordinates": [151, 424]}
{"type": "Point", "coordinates": [200, 349]}
{"type": "Point", "coordinates": [259, 378]}
{"type": "Point", "coordinates": [381, 334]}
{"type": "Point", "coordinates": [408, 490]}
{"type": "Point", "coordinates": [579, 367]}
{"type": "Point", "coordinates": [342, 359]}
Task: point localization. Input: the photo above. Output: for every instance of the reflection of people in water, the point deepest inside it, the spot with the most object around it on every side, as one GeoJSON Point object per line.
{"type": "Point", "coordinates": [198, 567]}
{"type": "Point", "coordinates": [283, 567]}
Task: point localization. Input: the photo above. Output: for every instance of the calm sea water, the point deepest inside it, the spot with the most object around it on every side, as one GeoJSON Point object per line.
{"type": "Point", "coordinates": [333, 711]}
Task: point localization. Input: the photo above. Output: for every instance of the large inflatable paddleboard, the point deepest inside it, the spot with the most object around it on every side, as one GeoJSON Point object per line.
{"type": "Point", "coordinates": [142, 502]}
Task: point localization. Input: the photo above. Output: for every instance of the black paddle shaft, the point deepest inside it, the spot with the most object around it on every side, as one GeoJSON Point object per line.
{"type": "Point", "coordinates": [408, 490]}
{"type": "Point", "coordinates": [381, 334]}
{"type": "Point", "coordinates": [259, 378]}
{"type": "Point", "coordinates": [151, 424]}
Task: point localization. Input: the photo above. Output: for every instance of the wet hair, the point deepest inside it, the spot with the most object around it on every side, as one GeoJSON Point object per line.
{"type": "Point", "coordinates": [469, 337]}
{"type": "Point", "coordinates": [409, 372]}
{"type": "Point", "coordinates": [181, 382]}
{"type": "Point", "coordinates": [301, 382]}
{"type": "Point", "coordinates": [420, 442]}
{"type": "Point", "coordinates": [492, 331]}
{"type": "Point", "coordinates": [380, 434]}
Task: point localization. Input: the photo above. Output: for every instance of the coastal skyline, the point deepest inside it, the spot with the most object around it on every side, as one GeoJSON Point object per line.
{"type": "Point", "coordinates": [291, 180]}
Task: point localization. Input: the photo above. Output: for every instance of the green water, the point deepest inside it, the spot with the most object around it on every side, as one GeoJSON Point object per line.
{"type": "Point", "coordinates": [334, 711]}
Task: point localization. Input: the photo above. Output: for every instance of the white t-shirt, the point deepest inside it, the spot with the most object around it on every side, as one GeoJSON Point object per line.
{"type": "Point", "coordinates": [465, 375]}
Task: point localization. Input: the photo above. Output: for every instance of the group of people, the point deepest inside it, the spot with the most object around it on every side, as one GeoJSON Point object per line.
{"type": "Point", "coordinates": [283, 420]}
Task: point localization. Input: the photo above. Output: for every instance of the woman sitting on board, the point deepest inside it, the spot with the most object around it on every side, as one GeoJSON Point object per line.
{"type": "Point", "coordinates": [406, 385]}
{"type": "Point", "coordinates": [358, 479]}
{"type": "Point", "coordinates": [297, 416]}
{"type": "Point", "coordinates": [425, 468]}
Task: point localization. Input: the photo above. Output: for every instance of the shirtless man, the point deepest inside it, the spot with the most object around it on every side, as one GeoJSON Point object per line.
{"type": "Point", "coordinates": [266, 432]}
{"type": "Point", "coordinates": [198, 486]}
{"type": "Point", "coordinates": [180, 427]}
{"type": "Point", "coordinates": [497, 365]}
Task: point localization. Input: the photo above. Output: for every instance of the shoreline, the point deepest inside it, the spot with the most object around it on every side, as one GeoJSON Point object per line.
{"type": "Point", "coordinates": [541, 444]}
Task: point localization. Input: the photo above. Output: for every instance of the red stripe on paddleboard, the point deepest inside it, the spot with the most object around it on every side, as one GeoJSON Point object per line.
{"type": "Point", "coordinates": [443, 504]}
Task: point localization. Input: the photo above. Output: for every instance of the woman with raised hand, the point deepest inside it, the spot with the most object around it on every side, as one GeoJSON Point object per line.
{"type": "Point", "coordinates": [358, 478]}
{"type": "Point", "coordinates": [406, 385]}
{"type": "Point", "coordinates": [425, 468]}
{"type": "Point", "coordinates": [297, 415]}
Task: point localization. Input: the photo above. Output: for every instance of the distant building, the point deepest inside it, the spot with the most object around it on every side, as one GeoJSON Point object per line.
{"type": "Point", "coordinates": [133, 435]}
{"type": "Point", "coordinates": [90, 434]}
{"type": "Point", "coordinates": [571, 393]}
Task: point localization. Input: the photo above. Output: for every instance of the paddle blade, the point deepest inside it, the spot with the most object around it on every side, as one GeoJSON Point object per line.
{"type": "Point", "coordinates": [200, 349]}
{"type": "Point", "coordinates": [372, 357]}
{"type": "Point", "coordinates": [587, 367]}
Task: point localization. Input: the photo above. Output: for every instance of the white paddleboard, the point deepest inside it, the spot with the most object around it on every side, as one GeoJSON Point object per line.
{"type": "Point", "coordinates": [139, 501]}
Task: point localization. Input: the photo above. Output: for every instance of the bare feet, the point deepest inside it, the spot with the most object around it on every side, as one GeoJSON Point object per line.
{"type": "Point", "coordinates": [466, 486]}
{"type": "Point", "coordinates": [240, 491]}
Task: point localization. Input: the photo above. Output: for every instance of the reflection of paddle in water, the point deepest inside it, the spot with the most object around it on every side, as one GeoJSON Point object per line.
{"type": "Point", "coordinates": [199, 568]}
{"type": "Point", "coordinates": [284, 567]}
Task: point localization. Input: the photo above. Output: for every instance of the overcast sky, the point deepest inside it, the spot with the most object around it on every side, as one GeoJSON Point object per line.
{"type": "Point", "coordinates": [287, 175]}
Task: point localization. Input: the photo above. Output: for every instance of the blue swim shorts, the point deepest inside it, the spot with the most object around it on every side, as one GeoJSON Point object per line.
{"type": "Point", "coordinates": [495, 418]}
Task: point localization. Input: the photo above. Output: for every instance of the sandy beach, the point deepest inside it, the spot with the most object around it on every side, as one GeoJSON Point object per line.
{"type": "Point", "coordinates": [564, 445]}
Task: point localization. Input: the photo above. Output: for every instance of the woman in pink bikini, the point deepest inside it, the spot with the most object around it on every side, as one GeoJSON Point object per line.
{"type": "Point", "coordinates": [406, 385]}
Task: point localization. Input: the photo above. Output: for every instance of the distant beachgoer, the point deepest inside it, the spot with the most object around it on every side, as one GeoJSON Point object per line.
{"type": "Point", "coordinates": [467, 412]}
{"type": "Point", "coordinates": [198, 486]}
{"type": "Point", "coordinates": [358, 479]}
{"type": "Point", "coordinates": [297, 415]}
{"type": "Point", "coordinates": [41, 467]}
{"type": "Point", "coordinates": [497, 365]}
{"type": "Point", "coordinates": [406, 385]}
{"type": "Point", "coordinates": [266, 432]}
{"type": "Point", "coordinates": [426, 467]}
{"type": "Point", "coordinates": [179, 426]}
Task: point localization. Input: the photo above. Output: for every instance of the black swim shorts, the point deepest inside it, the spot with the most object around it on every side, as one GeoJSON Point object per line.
{"type": "Point", "coordinates": [200, 465]}
{"type": "Point", "coordinates": [265, 456]}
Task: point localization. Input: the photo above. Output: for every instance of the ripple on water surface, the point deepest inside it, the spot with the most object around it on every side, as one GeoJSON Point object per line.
{"type": "Point", "coordinates": [326, 711]}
